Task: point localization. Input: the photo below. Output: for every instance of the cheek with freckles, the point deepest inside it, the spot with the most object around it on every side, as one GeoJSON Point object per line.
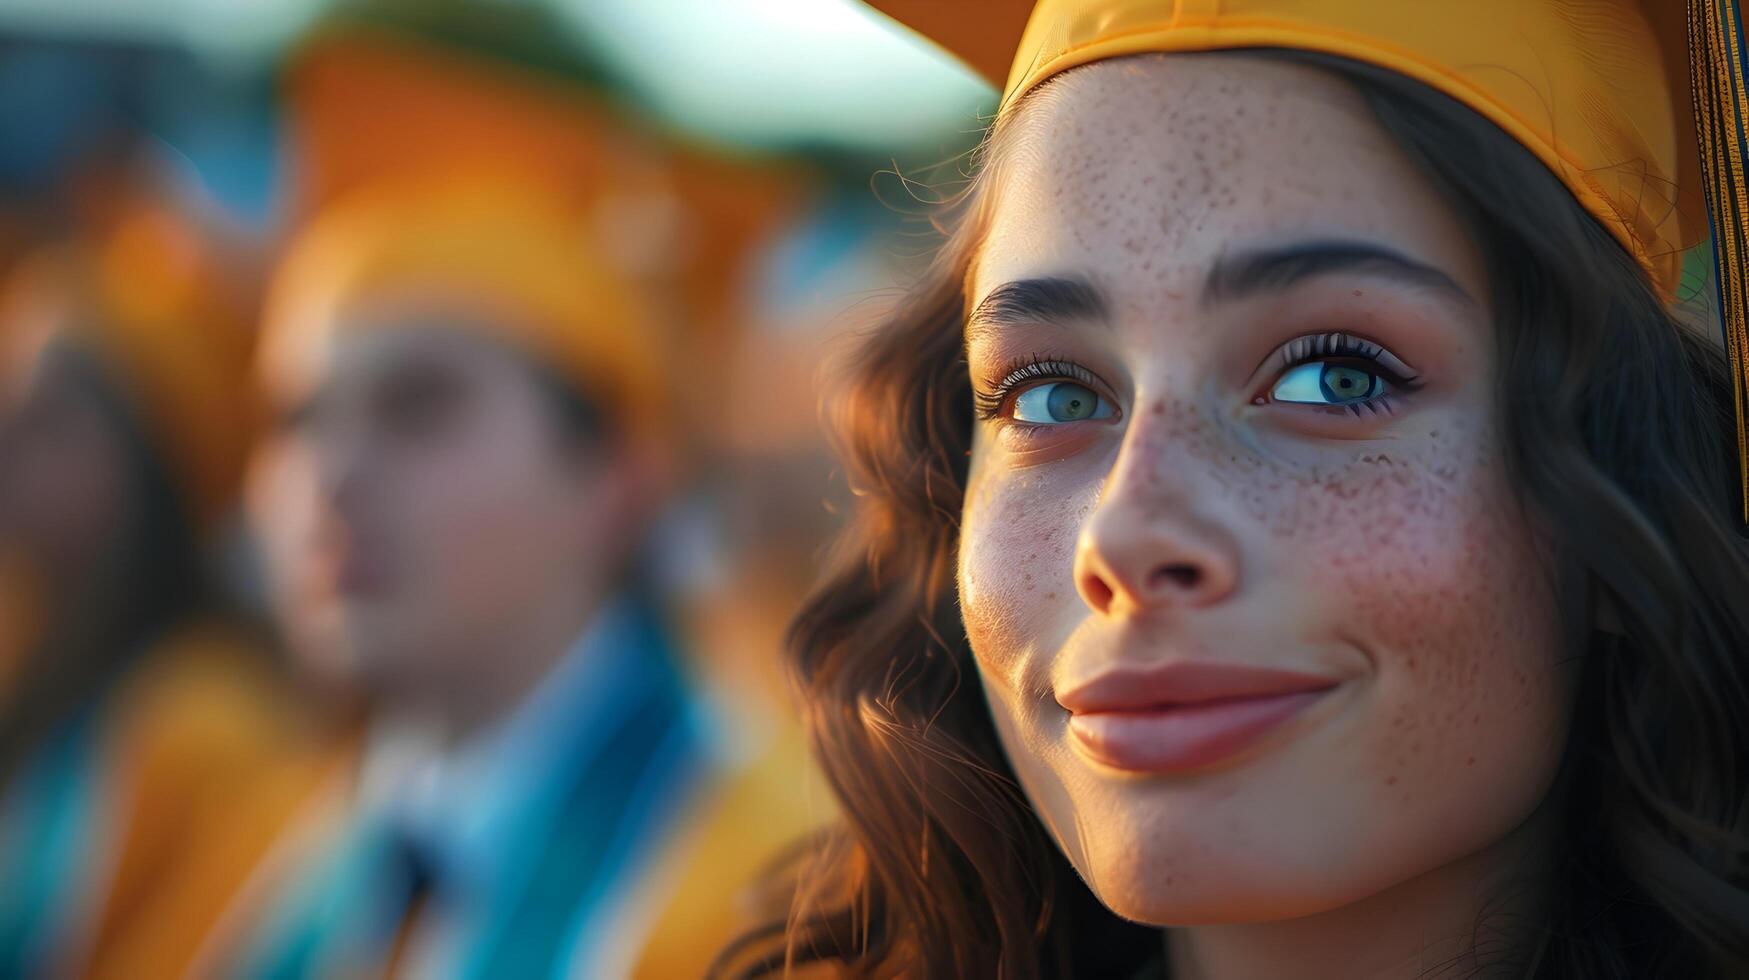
{"type": "Point", "coordinates": [1016, 564]}
{"type": "Point", "coordinates": [1420, 555]}
{"type": "Point", "coordinates": [1442, 580]}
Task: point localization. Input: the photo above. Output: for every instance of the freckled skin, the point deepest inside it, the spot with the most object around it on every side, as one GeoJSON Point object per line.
{"type": "Point", "coordinates": [1387, 551]}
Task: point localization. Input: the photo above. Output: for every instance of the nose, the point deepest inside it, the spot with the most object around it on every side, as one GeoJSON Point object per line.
{"type": "Point", "coordinates": [1144, 552]}
{"type": "Point", "coordinates": [339, 456]}
{"type": "Point", "coordinates": [319, 472]}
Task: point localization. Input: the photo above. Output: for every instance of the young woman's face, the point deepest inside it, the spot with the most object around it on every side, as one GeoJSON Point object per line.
{"type": "Point", "coordinates": [1261, 624]}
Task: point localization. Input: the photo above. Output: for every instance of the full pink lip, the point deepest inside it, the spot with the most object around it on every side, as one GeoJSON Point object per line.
{"type": "Point", "coordinates": [1184, 715]}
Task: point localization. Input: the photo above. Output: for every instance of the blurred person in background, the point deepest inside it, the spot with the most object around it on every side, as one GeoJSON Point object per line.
{"type": "Point", "coordinates": [136, 704]}
{"type": "Point", "coordinates": [474, 431]}
{"type": "Point", "coordinates": [580, 280]}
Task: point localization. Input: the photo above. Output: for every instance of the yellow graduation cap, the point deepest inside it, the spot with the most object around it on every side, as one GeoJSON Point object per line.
{"type": "Point", "coordinates": [521, 258]}
{"type": "Point", "coordinates": [1638, 106]}
{"type": "Point", "coordinates": [375, 113]}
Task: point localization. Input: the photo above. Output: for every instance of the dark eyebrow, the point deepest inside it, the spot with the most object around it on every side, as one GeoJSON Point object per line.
{"type": "Point", "coordinates": [1272, 270]}
{"type": "Point", "coordinates": [1045, 299]}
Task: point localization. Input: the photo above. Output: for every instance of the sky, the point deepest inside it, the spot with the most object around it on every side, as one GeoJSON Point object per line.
{"type": "Point", "coordinates": [752, 72]}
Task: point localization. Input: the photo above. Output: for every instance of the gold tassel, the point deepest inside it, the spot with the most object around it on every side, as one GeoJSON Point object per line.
{"type": "Point", "coordinates": [1721, 110]}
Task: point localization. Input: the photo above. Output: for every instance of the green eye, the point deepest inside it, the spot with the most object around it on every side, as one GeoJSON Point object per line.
{"type": "Point", "coordinates": [1059, 401]}
{"type": "Point", "coordinates": [1327, 383]}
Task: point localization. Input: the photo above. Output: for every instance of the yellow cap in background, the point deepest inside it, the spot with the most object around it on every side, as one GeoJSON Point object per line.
{"type": "Point", "coordinates": [676, 226]}
{"type": "Point", "coordinates": [519, 265]}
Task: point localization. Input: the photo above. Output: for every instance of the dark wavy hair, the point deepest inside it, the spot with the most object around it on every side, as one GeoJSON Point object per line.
{"type": "Point", "coordinates": [1618, 421]}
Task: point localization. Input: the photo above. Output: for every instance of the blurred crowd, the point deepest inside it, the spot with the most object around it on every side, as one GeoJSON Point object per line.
{"type": "Point", "coordinates": [392, 579]}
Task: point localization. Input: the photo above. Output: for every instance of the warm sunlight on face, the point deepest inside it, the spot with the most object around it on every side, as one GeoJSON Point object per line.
{"type": "Point", "coordinates": [1262, 626]}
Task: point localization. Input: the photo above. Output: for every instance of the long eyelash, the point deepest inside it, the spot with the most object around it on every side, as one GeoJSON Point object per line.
{"type": "Point", "coordinates": [1382, 405]}
{"type": "Point", "coordinates": [1305, 350]}
{"type": "Point", "coordinates": [1030, 368]}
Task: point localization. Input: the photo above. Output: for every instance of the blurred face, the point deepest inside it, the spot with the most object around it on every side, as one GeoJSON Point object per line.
{"type": "Point", "coordinates": [422, 502]}
{"type": "Point", "coordinates": [1261, 625]}
{"type": "Point", "coordinates": [64, 470]}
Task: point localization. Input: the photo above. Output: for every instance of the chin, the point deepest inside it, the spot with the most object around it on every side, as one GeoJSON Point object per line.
{"type": "Point", "coordinates": [1166, 876]}
{"type": "Point", "coordinates": [1200, 905]}
{"type": "Point", "coordinates": [1163, 900]}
